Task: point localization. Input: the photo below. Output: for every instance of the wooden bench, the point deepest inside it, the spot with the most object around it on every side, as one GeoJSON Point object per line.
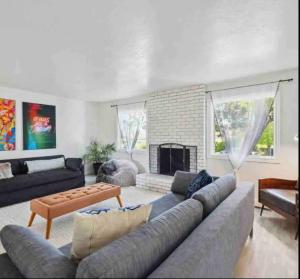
{"type": "Point", "coordinates": [52, 206]}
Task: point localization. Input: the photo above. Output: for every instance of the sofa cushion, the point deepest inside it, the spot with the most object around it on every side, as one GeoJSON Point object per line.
{"type": "Point", "coordinates": [22, 181]}
{"type": "Point", "coordinates": [138, 253]}
{"type": "Point", "coordinates": [181, 181]}
{"type": "Point", "coordinates": [34, 256]}
{"type": "Point", "coordinates": [165, 203]}
{"type": "Point", "coordinates": [201, 180]}
{"type": "Point", "coordinates": [283, 199]}
{"type": "Point", "coordinates": [213, 194]}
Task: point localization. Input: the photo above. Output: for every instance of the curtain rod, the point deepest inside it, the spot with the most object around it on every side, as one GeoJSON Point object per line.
{"type": "Point", "coordinates": [242, 86]}
{"type": "Point", "coordinates": [113, 106]}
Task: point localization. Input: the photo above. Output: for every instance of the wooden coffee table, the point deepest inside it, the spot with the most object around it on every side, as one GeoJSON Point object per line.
{"type": "Point", "coordinates": [52, 206]}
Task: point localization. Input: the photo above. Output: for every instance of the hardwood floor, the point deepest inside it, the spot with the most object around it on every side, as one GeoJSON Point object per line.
{"type": "Point", "coordinates": [273, 250]}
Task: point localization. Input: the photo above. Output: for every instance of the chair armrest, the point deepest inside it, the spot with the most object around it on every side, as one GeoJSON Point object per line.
{"type": "Point", "coordinates": [276, 183]}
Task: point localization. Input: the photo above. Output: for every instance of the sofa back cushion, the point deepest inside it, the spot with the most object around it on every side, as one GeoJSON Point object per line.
{"type": "Point", "coordinates": [34, 256]}
{"type": "Point", "coordinates": [138, 253]}
{"type": "Point", "coordinates": [181, 182]}
{"type": "Point", "coordinates": [213, 194]}
{"type": "Point", "coordinates": [214, 247]}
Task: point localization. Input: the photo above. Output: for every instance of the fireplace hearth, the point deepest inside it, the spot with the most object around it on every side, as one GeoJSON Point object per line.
{"type": "Point", "coordinates": [167, 158]}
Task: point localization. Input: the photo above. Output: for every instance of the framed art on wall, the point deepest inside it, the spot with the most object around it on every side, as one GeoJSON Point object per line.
{"type": "Point", "coordinates": [7, 124]}
{"type": "Point", "coordinates": [39, 126]}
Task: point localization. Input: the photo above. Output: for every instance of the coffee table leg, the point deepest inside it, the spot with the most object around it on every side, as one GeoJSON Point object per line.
{"type": "Point", "coordinates": [31, 219]}
{"type": "Point", "coordinates": [48, 229]}
{"type": "Point", "coordinates": [120, 201]}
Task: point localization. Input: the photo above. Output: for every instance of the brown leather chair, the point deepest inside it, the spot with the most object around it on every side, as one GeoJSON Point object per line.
{"type": "Point", "coordinates": [280, 195]}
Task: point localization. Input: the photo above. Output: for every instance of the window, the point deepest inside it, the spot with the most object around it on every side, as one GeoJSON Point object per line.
{"type": "Point", "coordinates": [132, 120]}
{"type": "Point", "coordinates": [265, 147]}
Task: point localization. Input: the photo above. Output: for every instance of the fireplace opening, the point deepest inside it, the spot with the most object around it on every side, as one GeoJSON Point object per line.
{"type": "Point", "coordinates": [167, 158]}
{"type": "Point", "coordinates": [173, 159]}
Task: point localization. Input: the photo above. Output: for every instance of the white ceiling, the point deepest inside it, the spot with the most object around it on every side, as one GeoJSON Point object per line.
{"type": "Point", "coordinates": [100, 50]}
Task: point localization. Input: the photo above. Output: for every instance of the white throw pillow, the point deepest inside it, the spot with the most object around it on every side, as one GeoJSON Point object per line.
{"type": "Point", "coordinates": [94, 229]}
{"type": "Point", "coordinates": [5, 170]}
{"type": "Point", "coordinates": [43, 165]}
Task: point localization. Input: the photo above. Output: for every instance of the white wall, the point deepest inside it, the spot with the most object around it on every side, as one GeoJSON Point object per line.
{"type": "Point", "coordinates": [76, 123]}
{"type": "Point", "coordinates": [286, 163]}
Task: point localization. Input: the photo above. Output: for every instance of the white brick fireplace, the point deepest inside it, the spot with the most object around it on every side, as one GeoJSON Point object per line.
{"type": "Point", "coordinates": [175, 116]}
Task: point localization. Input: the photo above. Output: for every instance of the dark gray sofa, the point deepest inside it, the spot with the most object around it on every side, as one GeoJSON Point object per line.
{"type": "Point", "coordinates": [186, 238]}
{"type": "Point", "coordinates": [24, 186]}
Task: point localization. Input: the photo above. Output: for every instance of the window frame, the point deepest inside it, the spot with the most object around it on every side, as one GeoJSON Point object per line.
{"type": "Point", "coordinates": [210, 139]}
{"type": "Point", "coordinates": [119, 140]}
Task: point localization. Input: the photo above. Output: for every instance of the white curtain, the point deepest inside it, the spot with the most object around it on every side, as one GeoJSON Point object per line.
{"type": "Point", "coordinates": [131, 119]}
{"type": "Point", "coordinates": [242, 115]}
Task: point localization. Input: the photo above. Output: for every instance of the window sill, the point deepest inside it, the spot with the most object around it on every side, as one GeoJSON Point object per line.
{"type": "Point", "coordinates": [253, 159]}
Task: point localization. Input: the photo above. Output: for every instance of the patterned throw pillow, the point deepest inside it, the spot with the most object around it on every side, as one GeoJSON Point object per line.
{"type": "Point", "coordinates": [5, 170]}
{"type": "Point", "coordinates": [96, 228]}
{"type": "Point", "coordinates": [202, 179]}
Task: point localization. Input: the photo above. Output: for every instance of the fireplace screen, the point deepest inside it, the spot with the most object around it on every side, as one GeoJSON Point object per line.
{"type": "Point", "coordinates": [167, 158]}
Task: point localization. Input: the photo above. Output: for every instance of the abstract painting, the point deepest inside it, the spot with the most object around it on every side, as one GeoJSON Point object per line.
{"type": "Point", "coordinates": [7, 124]}
{"type": "Point", "coordinates": [39, 126]}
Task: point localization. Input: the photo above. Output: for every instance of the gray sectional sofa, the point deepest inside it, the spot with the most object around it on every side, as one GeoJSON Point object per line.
{"type": "Point", "coordinates": [185, 238]}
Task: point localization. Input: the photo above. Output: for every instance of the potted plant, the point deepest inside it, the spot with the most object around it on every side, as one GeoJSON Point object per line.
{"type": "Point", "coordinates": [98, 153]}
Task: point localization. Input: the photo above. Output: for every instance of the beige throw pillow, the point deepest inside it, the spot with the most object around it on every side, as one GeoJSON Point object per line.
{"type": "Point", "coordinates": [94, 229]}
{"type": "Point", "coordinates": [5, 170]}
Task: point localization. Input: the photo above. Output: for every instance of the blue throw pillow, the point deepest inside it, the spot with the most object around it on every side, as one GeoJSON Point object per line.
{"type": "Point", "coordinates": [202, 179]}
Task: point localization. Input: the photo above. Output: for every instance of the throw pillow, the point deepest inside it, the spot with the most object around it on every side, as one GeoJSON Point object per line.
{"type": "Point", "coordinates": [202, 179]}
{"type": "Point", "coordinates": [94, 229]}
{"type": "Point", "coordinates": [5, 170]}
{"type": "Point", "coordinates": [43, 165]}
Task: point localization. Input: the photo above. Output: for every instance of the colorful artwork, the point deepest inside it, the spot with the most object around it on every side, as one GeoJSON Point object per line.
{"type": "Point", "coordinates": [39, 130]}
{"type": "Point", "coordinates": [7, 124]}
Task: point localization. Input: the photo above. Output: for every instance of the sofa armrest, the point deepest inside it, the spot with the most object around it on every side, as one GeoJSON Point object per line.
{"type": "Point", "coordinates": [276, 183]}
{"type": "Point", "coordinates": [74, 164]}
{"type": "Point", "coordinates": [181, 182]}
{"type": "Point", "coordinates": [34, 256]}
